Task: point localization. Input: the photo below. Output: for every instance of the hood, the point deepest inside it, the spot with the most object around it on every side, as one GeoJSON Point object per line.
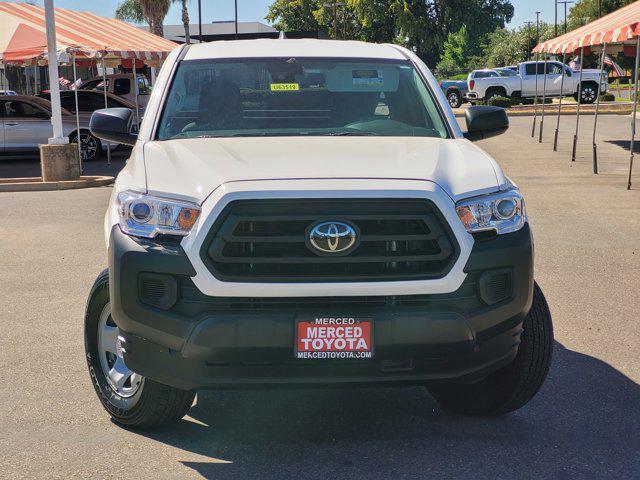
{"type": "Point", "coordinates": [193, 168]}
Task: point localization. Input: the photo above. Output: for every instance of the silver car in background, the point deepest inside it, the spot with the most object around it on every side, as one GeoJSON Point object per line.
{"type": "Point", "coordinates": [25, 122]}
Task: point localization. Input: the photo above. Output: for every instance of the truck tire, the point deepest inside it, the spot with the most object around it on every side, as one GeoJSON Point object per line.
{"type": "Point", "coordinates": [454, 98]}
{"type": "Point", "coordinates": [588, 93]}
{"type": "Point", "coordinates": [130, 399]}
{"type": "Point", "coordinates": [90, 145]}
{"type": "Point", "coordinates": [495, 92]}
{"type": "Point", "coordinates": [514, 385]}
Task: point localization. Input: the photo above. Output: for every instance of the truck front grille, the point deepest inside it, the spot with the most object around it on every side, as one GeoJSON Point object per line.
{"type": "Point", "coordinates": [266, 241]}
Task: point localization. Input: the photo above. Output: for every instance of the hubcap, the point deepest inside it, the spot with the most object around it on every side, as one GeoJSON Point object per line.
{"type": "Point", "coordinates": [453, 99]}
{"type": "Point", "coordinates": [88, 145]}
{"type": "Point", "coordinates": [120, 378]}
{"type": "Point", "coordinates": [588, 94]}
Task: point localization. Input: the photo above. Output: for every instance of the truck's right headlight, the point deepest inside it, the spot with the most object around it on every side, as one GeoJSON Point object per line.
{"type": "Point", "coordinates": [503, 212]}
{"type": "Point", "coordinates": [144, 215]}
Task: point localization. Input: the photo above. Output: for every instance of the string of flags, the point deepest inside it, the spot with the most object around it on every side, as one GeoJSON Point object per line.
{"type": "Point", "coordinates": [575, 65]}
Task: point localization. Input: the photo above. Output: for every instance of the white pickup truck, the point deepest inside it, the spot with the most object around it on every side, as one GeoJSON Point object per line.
{"type": "Point", "coordinates": [309, 212]}
{"type": "Point", "coordinates": [524, 84]}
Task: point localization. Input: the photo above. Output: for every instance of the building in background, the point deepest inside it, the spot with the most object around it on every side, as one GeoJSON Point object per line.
{"type": "Point", "coordinates": [225, 30]}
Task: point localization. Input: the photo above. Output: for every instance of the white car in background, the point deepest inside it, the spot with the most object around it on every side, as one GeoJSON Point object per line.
{"type": "Point", "coordinates": [526, 83]}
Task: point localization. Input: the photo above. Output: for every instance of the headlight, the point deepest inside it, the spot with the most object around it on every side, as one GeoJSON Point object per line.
{"type": "Point", "coordinates": [147, 216]}
{"type": "Point", "coordinates": [503, 212]}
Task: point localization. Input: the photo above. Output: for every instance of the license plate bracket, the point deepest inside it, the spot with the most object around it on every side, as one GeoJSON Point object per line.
{"type": "Point", "coordinates": [333, 338]}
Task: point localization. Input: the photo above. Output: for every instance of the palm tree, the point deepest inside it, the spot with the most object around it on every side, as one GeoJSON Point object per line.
{"type": "Point", "coordinates": [151, 11]}
{"type": "Point", "coordinates": [155, 11]}
{"type": "Point", "coordinates": [185, 22]}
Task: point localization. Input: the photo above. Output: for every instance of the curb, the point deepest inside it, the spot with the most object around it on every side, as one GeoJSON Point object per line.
{"type": "Point", "coordinates": [34, 184]}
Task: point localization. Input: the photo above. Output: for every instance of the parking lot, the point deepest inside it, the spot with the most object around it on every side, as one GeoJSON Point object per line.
{"type": "Point", "coordinates": [584, 423]}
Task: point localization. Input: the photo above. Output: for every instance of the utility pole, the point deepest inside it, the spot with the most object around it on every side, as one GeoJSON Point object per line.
{"type": "Point", "coordinates": [537, 27]}
{"type": "Point", "coordinates": [236, 21]}
{"type": "Point", "coordinates": [199, 21]}
{"type": "Point", "coordinates": [528, 25]}
{"type": "Point", "coordinates": [335, 6]}
{"type": "Point", "coordinates": [555, 18]}
{"type": "Point", "coordinates": [599, 8]}
{"type": "Point", "coordinates": [565, 13]}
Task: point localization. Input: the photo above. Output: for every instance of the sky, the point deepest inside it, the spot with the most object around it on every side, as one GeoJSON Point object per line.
{"type": "Point", "coordinates": [255, 10]}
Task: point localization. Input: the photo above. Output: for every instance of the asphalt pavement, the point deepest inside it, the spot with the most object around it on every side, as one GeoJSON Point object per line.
{"type": "Point", "coordinates": [584, 423]}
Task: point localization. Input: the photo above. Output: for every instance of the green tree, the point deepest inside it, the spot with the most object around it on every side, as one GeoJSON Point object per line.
{"type": "Point", "coordinates": [151, 11]}
{"type": "Point", "coordinates": [131, 11]}
{"type": "Point", "coordinates": [425, 25]}
{"type": "Point", "coordinates": [508, 47]}
{"type": "Point", "coordinates": [421, 25]}
{"type": "Point", "coordinates": [455, 56]}
{"type": "Point", "coordinates": [585, 11]}
{"type": "Point", "coordinates": [293, 15]}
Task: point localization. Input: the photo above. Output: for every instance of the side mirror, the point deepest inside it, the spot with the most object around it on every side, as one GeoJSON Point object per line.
{"type": "Point", "coordinates": [114, 125]}
{"type": "Point", "coordinates": [485, 121]}
{"type": "Point", "coordinates": [568, 72]}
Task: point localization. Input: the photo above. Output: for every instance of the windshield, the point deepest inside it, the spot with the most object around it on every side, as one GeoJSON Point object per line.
{"type": "Point", "coordinates": [298, 96]}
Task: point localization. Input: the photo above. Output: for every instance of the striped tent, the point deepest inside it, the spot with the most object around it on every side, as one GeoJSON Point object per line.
{"type": "Point", "coordinates": [618, 31]}
{"type": "Point", "coordinates": [23, 36]}
{"type": "Point", "coordinates": [619, 27]}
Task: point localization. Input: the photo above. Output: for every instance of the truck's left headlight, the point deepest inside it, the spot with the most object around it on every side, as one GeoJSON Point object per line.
{"type": "Point", "coordinates": [147, 216]}
{"type": "Point", "coordinates": [503, 212]}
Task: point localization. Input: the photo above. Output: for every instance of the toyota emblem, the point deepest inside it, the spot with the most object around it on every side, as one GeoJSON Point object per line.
{"type": "Point", "coordinates": [332, 237]}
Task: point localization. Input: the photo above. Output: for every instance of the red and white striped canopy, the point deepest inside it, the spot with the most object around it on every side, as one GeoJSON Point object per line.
{"type": "Point", "coordinates": [618, 27]}
{"type": "Point", "coordinates": [23, 36]}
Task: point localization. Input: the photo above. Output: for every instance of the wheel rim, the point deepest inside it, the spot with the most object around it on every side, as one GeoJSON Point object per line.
{"type": "Point", "coordinates": [122, 380]}
{"type": "Point", "coordinates": [88, 146]}
{"type": "Point", "coordinates": [453, 99]}
{"type": "Point", "coordinates": [588, 94]}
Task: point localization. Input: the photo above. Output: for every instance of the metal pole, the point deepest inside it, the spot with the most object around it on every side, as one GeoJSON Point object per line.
{"type": "Point", "coordinates": [535, 100]}
{"type": "Point", "coordinates": [544, 96]}
{"type": "Point", "coordinates": [199, 21]}
{"type": "Point", "coordinates": [236, 10]}
{"type": "Point", "coordinates": [75, 94]}
{"type": "Point", "coordinates": [575, 136]}
{"type": "Point", "coordinates": [555, 138]}
{"type": "Point", "coordinates": [135, 83]}
{"type": "Point", "coordinates": [595, 118]}
{"type": "Point", "coordinates": [635, 110]}
{"type": "Point", "coordinates": [27, 81]}
{"type": "Point", "coordinates": [54, 84]}
{"type": "Point", "coordinates": [528, 25]}
{"type": "Point", "coordinates": [555, 18]}
{"type": "Point", "coordinates": [104, 89]}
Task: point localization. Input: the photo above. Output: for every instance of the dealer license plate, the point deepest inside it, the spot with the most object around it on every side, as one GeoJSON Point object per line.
{"type": "Point", "coordinates": [334, 338]}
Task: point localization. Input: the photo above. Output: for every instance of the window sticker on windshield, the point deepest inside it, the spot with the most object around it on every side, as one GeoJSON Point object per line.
{"type": "Point", "coordinates": [367, 78]}
{"type": "Point", "coordinates": [285, 87]}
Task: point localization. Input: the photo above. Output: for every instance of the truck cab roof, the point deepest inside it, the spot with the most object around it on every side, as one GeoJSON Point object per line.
{"type": "Point", "coordinates": [292, 48]}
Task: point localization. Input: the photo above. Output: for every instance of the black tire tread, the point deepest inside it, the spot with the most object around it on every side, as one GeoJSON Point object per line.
{"type": "Point", "coordinates": [515, 385]}
{"type": "Point", "coordinates": [159, 404]}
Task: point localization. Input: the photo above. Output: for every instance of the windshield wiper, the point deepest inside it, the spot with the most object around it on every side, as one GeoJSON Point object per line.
{"type": "Point", "coordinates": [355, 133]}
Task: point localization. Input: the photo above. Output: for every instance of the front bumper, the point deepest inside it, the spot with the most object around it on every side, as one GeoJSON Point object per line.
{"type": "Point", "coordinates": [205, 342]}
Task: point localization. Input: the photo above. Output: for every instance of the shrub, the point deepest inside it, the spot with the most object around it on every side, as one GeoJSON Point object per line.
{"type": "Point", "coordinates": [460, 76]}
{"type": "Point", "coordinates": [499, 101]}
{"type": "Point", "coordinates": [607, 97]}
